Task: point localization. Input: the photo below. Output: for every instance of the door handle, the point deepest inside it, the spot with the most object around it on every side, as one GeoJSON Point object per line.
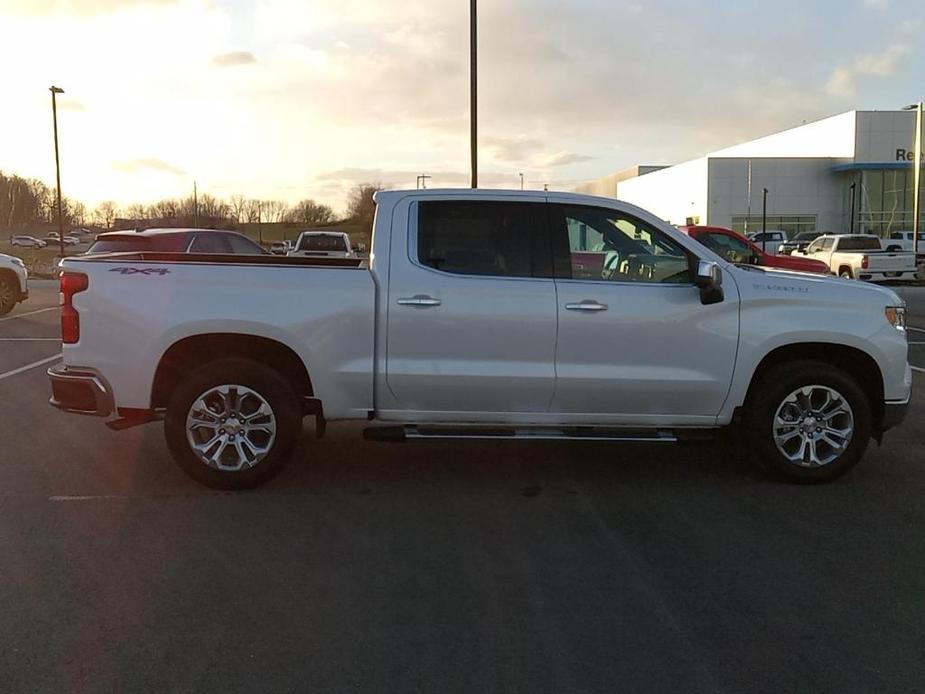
{"type": "Point", "coordinates": [421, 301]}
{"type": "Point", "coordinates": [590, 306]}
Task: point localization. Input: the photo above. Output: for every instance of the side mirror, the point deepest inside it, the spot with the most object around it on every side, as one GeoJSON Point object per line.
{"type": "Point", "coordinates": [709, 279]}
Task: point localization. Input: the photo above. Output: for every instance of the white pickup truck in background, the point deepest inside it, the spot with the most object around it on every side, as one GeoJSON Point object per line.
{"type": "Point", "coordinates": [323, 244]}
{"type": "Point", "coordinates": [14, 286]}
{"type": "Point", "coordinates": [861, 257]}
{"type": "Point", "coordinates": [479, 317]}
{"type": "Point", "coordinates": [903, 241]}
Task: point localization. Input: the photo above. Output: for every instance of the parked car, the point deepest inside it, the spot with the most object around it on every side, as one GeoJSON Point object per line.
{"type": "Point", "coordinates": [737, 249]}
{"type": "Point", "coordinates": [280, 247]}
{"type": "Point", "coordinates": [325, 244]}
{"type": "Point", "coordinates": [902, 241]}
{"type": "Point", "coordinates": [14, 286]}
{"type": "Point", "coordinates": [52, 238]}
{"type": "Point", "coordinates": [27, 242]}
{"type": "Point", "coordinates": [175, 241]}
{"type": "Point", "coordinates": [769, 240]}
{"type": "Point", "coordinates": [470, 322]}
{"type": "Point", "coordinates": [798, 242]}
{"type": "Point", "coordinates": [861, 256]}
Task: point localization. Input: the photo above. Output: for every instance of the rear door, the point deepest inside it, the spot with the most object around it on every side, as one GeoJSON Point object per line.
{"type": "Point", "coordinates": [636, 345]}
{"type": "Point", "coordinates": [471, 312]}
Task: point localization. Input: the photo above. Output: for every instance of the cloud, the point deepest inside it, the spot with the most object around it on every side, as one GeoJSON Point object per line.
{"type": "Point", "coordinates": [562, 159]}
{"type": "Point", "coordinates": [843, 81]}
{"type": "Point", "coordinates": [233, 58]}
{"type": "Point", "coordinates": [511, 149]}
{"type": "Point", "coordinates": [70, 105]}
{"type": "Point", "coordinates": [74, 7]}
{"type": "Point", "coordinates": [141, 164]}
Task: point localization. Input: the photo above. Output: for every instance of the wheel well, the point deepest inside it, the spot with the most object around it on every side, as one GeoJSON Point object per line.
{"type": "Point", "coordinates": [842, 268]}
{"type": "Point", "coordinates": [853, 361]}
{"type": "Point", "coordinates": [192, 352]}
{"type": "Point", "coordinates": [10, 275]}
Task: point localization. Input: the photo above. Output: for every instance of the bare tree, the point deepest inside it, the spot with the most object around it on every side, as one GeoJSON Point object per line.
{"type": "Point", "coordinates": [78, 214]}
{"type": "Point", "coordinates": [310, 213]}
{"type": "Point", "coordinates": [253, 211]}
{"type": "Point", "coordinates": [274, 211]}
{"type": "Point", "coordinates": [167, 209]}
{"type": "Point", "coordinates": [238, 206]}
{"type": "Point", "coordinates": [360, 205]}
{"type": "Point", "coordinates": [105, 213]}
{"type": "Point", "coordinates": [137, 211]}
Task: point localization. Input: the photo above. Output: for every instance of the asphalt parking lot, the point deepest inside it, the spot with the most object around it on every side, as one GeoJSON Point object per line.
{"type": "Point", "coordinates": [446, 567]}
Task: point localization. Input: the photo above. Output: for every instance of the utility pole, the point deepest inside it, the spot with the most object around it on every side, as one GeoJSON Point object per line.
{"type": "Point", "coordinates": [521, 181]}
{"type": "Point", "coordinates": [54, 116]}
{"type": "Point", "coordinates": [473, 93]}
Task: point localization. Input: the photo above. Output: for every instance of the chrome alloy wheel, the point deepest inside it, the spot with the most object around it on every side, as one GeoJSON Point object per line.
{"type": "Point", "coordinates": [813, 426]}
{"type": "Point", "coordinates": [231, 428]}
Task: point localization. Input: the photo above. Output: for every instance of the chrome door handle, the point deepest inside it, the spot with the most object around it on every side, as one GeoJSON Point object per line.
{"type": "Point", "coordinates": [424, 301]}
{"type": "Point", "coordinates": [586, 306]}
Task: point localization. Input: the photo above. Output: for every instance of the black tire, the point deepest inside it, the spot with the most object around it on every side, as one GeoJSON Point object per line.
{"type": "Point", "coordinates": [262, 380]}
{"type": "Point", "coordinates": [845, 273]}
{"type": "Point", "coordinates": [9, 289]}
{"type": "Point", "coordinates": [769, 392]}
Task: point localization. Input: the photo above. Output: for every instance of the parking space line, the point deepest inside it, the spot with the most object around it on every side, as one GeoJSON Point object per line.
{"type": "Point", "coordinates": [915, 368]}
{"type": "Point", "coordinates": [28, 367]}
{"type": "Point", "coordinates": [58, 339]}
{"type": "Point", "coordinates": [915, 330]}
{"type": "Point", "coordinates": [30, 313]}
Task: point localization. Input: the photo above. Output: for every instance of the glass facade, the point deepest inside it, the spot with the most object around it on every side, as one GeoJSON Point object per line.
{"type": "Point", "coordinates": [885, 204]}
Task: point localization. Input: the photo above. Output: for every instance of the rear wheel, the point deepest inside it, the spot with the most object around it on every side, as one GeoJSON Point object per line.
{"type": "Point", "coordinates": [8, 294]}
{"type": "Point", "coordinates": [807, 421]}
{"type": "Point", "coordinates": [233, 424]}
{"type": "Point", "coordinates": [845, 273]}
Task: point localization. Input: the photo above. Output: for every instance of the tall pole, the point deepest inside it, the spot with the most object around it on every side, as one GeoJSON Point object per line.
{"type": "Point", "coordinates": [195, 206]}
{"type": "Point", "coordinates": [521, 181]}
{"type": "Point", "coordinates": [54, 116]}
{"type": "Point", "coordinates": [916, 202]}
{"type": "Point", "coordinates": [854, 188]}
{"type": "Point", "coordinates": [764, 222]}
{"type": "Point", "coordinates": [473, 94]}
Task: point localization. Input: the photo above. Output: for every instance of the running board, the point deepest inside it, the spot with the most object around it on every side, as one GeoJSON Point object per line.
{"type": "Point", "coordinates": [400, 434]}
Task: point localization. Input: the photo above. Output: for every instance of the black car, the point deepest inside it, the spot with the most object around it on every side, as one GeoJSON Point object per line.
{"type": "Point", "coordinates": [798, 242]}
{"type": "Point", "coordinates": [175, 241]}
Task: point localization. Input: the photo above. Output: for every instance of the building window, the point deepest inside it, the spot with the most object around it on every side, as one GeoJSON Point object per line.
{"type": "Point", "coordinates": [790, 224]}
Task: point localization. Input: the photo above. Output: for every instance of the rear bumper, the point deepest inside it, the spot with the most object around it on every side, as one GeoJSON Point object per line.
{"type": "Point", "coordinates": [80, 391]}
{"type": "Point", "coordinates": [871, 276]}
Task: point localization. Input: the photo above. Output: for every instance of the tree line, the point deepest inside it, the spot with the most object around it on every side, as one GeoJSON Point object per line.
{"type": "Point", "coordinates": [25, 203]}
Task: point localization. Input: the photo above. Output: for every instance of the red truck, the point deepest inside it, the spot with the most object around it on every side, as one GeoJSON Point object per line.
{"type": "Point", "coordinates": [735, 248]}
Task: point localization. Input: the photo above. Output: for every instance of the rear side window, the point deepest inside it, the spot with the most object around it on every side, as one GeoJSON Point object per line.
{"type": "Point", "coordinates": [210, 243]}
{"type": "Point", "coordinates": [243, 246]}
{"type": "Point", "coordinates": [861, 243]}
{"type": "Point", "coordinates": [503, 239]}
{"type": "Point", "coordinates": [120, 244]}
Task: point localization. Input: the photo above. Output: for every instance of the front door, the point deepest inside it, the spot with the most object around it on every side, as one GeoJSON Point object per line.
{"type": "Point", "coordinates": [472, 312]}
{"type": "Point", "coordinates": [635, 344]}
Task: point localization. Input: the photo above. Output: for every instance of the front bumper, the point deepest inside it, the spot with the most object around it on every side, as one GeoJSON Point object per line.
{"type": "Point", "coordinates": [80, 391]}
{"type": "Point", "coordinates": [893, 415]}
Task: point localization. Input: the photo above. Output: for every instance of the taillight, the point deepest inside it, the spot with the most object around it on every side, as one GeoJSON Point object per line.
{"type": "Point", "coordinates": [865, 263]}
{"type": "Point", "coordinates": [71, 283]}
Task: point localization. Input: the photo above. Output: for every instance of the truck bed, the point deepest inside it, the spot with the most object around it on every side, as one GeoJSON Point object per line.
{"type": "Point", "coordinates": [226, 259]}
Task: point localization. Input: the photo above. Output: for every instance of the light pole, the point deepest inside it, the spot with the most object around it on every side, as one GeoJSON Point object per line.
{"type": "Point", "coordinates": [473, 94]}
{"type": "Point", "coordinates": [854, 188]}
{"type": "Point", "coordinates": [917, 190]}
{"type": "Point", "coordinates": [54, 117]}
{"type": "Point", "coordinates": [764, 222]}
{"type": "Point", "coordinates": [521, 181]}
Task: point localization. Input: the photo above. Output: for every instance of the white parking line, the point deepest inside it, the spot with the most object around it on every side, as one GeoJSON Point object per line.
{"type": "Point", "coordinates": [30, 313]}
{"type": "Point", "coordinates": [33, 365]}
{"type": "Point", "coordinates": [915, 368]}
{"type": "Point", "coordinates": [58, 339]}
{"type": "Point", "coordinates": [915, 330]}
{"type": "Point", "coordinates": [87, 498]}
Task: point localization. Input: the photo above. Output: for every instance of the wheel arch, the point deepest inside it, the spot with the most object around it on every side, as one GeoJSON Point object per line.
{"type": "Point", "coordinates": [851, 360]}
{"type": "Point", "coordinates": [190, 353]}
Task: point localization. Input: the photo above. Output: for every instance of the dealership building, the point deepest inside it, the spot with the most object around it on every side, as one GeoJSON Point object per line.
{"type": "Point", "coordinates": [812, 175]}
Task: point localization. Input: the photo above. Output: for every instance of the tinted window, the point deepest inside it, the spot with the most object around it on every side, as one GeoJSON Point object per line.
{"type": "Point", "coordinates": [208, 242]}
{"type": "Point", "coordinates": [241, 245]}
{"type": "Point", "coordinates": [119, 244]}
{"type": "Point", "coordinates": [860, 243]}
{"type": "Point", "coordinates": [483, 238]}
{"type": "Point", "coordinates": [323, 242]}
{"type": "Point", "coordinates": [610, 246]}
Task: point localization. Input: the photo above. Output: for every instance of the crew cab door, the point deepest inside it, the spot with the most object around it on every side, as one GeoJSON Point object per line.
{"type": "Point", "coordinates": [821, 249]}
{"type": "Point", "coordinates": [471, 311]}
{"type": "Point", "coordinates": [636, 345]}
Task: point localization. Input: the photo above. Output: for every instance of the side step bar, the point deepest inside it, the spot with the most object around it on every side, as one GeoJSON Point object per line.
{"type": "Point", "coordinates": [410, 432]}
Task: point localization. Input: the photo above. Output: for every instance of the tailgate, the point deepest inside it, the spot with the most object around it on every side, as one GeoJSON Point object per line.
{"type": "Point", "coordinates": [890, 262]}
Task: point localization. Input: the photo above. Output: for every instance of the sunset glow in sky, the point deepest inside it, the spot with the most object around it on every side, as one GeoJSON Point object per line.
{"type": "Point", "coordinates": [304, 98]}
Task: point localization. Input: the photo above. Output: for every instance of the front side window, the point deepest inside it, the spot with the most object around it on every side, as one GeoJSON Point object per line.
{"type": "Point", "coordinates": [828, 244]}
{"type": "Point", "coordinates": [503, 239]}
{"type": "Point", "coordinates": [729, 247]}
{"type": "Point", "coordinates": [608, 245]}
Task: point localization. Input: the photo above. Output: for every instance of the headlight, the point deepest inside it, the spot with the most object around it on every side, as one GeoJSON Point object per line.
{"type": "Point", "coordinates": [896, 316]}
{"type": "Point", "coordinates": [17, 261]}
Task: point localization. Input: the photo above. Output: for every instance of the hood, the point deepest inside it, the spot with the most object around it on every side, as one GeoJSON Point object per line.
{"type": "Point", "coordinates": [815, 286]}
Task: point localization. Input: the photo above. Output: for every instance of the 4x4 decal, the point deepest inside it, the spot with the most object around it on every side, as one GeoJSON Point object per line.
{"type": "Point", "coordinates": [141, 271]}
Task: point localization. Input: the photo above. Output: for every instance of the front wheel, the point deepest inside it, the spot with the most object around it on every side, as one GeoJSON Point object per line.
{"type": "Point", "coordinates": [807, 421]}
{"type": "Point", "coordinates": [8, 292]}
{"type": "Point", "coordinates": [232, 424]}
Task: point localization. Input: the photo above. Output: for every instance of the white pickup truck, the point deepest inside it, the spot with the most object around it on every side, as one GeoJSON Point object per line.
{"type": "Point", "coordinates": [478, 316]}
{"type": "Point", "coordinates": [14, 286]}
{"type": "Point", "coordinates": [323, 244]}
{"type": "Point", "coordinates": [861, 257]}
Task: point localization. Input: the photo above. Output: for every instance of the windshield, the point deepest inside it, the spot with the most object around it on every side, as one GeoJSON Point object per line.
{"type": "Point", "coordinates": [806, 236]}
{"type": "Point", "coordinates": [322, 242]}
{"type": "Point", "coordinates": [860, 243]}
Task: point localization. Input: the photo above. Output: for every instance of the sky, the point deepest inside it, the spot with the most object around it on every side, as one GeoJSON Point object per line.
{"type": "Point", "coordinates": [289, 99]}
